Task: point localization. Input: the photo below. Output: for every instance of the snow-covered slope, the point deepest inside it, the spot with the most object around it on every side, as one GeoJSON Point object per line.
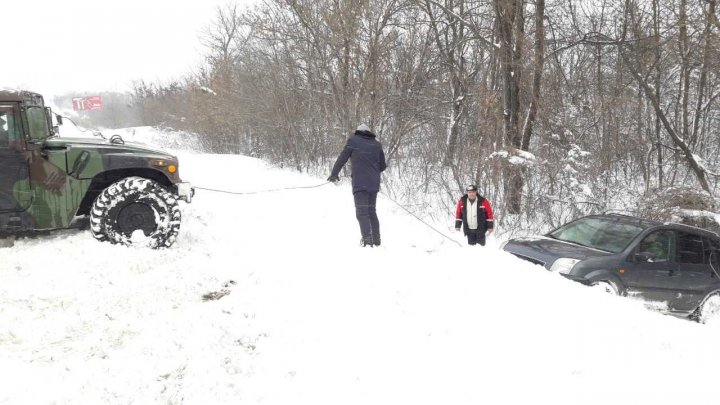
{"type": "Point", "coordinates": [306, 316]}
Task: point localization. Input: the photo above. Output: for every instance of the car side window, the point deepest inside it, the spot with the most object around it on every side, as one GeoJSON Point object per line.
{"type": "Point", "coordinates": [690, 248]}
{"type": "Point", "coordinates": [659, 245]}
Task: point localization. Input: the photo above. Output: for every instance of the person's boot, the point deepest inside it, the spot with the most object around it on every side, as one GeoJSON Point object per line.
{"type": "Point", "coordinates": [376, 240]}
{"type": "Point", "coordinates": [366, 242]}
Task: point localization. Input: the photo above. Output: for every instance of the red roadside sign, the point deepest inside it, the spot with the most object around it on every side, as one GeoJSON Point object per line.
{"type": "Point", "coordinates": [87, 103]}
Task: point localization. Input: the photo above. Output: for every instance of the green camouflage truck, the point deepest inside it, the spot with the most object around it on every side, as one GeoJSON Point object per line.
{"type": "Point", "coordinates": [130, 192]}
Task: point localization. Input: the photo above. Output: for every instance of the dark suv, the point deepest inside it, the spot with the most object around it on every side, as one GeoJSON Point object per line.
{"type": "Point", "coordinates": [676, 265]}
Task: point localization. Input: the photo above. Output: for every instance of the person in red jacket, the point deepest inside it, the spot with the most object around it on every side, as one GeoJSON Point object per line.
{"type": "Point", "coordinates": [474, 214]}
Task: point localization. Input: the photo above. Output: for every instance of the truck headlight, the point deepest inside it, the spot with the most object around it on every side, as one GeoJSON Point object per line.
{"type": "Point", "coordinates": [564, 265]}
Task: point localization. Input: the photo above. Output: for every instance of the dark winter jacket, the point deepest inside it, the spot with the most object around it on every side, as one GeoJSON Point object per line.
{"type": "Point", "coordinates": [366, 158]}
{"type": "Point", "coordinates": [484, 214]}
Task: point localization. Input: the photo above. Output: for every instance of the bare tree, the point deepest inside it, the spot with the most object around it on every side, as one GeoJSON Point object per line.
{"type": "Point", "coordinates": [612, 98]}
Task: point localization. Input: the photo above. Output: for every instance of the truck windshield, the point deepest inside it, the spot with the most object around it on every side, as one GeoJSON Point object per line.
{"type": "Point", "coordinates": [37, 123]}
{"type": "Point", "coordinates": [606, 234]}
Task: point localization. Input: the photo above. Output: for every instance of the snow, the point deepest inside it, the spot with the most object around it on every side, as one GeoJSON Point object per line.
{"type": "Point", "coordinates": [575, 152]}
{"type": "Point", "coordinates": [516, 157]}
{"type": "Point", "coordinates": [570, 170]}
{"type": "Point", "coordinates": [700, 161]}
{"type": "Point", "coordinates": [585, 190]}
{"type": "Point", "coordinates": [208, 90]}
{"type": "Point", "coordinates": [267, 298]}
{"type": "Point", "coordinates": [679, 213]}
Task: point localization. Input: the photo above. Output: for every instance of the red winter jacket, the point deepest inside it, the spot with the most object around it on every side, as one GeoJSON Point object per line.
{"type": "Point", "coordinates": [484, 214]}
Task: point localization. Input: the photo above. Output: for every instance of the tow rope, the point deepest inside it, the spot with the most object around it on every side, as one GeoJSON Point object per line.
{"type": "Point", "coordinates": [423, 222]}
{"type": "Point", "coordinates": [259, 191]}
{"type": "Point", "coordinates": [320, 185]}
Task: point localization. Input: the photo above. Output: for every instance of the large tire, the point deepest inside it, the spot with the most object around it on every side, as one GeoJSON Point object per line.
{"type": "Point", "coordinates": [136, 204]}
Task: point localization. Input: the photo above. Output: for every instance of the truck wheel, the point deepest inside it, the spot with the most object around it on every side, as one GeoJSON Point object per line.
{"type": "Point", "coordinates": [136, 204]}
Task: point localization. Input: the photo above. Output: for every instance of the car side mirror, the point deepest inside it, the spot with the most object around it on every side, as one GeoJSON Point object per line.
{"type": "Point", "coordinates": [644, 257]}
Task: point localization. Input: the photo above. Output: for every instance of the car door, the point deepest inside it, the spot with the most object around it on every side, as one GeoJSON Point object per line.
{"type": "Point", "coordinates": [15, 191]}
{"type": "Point", "coordinates": [55, 201]}
{"type": "Point", "coordinates": [695, 274]}
{"type": "Point", "coordinates": [647, 272]}
{"type": "Point", "coordinates": [714, 245]}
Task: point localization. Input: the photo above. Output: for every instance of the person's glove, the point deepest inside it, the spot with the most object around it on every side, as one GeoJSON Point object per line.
{"type": "Point", "coordinates": [333, 179]}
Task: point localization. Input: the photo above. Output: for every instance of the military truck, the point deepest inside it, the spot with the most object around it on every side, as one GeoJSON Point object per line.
{"type": "Point", "coordinates": [129, 192]}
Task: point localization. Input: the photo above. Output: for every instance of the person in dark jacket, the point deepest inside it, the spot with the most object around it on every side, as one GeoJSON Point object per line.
{"type": "Point", "coordinates": [368, 161]}
{"type": "Point", "coordinates": [475, 215]}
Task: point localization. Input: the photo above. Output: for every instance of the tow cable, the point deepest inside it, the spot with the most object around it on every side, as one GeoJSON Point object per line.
{"type": "Point", "coordinates": [419, 219]}
{"type": "Point", "coordinates": [259, 191]}
{"type": "Point", "coordinates": [320, 185]}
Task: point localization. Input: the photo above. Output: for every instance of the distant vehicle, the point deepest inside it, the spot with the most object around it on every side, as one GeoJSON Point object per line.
{"type": "Point", "coordinates": [673, 264]}
{"type": "Point", "coordinates": [130, 192]}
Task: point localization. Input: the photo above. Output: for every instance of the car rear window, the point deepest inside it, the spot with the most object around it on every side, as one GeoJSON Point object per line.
{"type": "Point", "coordinates": [606, 234]}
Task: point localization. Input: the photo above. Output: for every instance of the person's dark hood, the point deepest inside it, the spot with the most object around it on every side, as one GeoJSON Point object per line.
{"type": "Point", "coordinates": [366, 134]}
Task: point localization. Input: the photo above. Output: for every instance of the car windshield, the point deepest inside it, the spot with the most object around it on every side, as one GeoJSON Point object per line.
{"type": "Point", "coordinates": [606, 234]}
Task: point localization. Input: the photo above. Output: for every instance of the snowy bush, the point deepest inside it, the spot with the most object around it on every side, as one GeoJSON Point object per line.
{"type": "Point", "coordinates": [683, 205]}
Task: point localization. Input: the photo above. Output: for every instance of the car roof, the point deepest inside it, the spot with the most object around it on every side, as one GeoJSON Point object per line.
{"type": "Point", "coordinates": [649, 223]}
{"type": "Point", "coordinates": [690, 228]}
{"type": "Point", "coordinates": [628, 219]}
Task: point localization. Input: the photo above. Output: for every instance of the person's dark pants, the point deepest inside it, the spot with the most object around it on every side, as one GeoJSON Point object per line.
{"type": "Point", "coordinates": [367, 217]}
{"type": "Point", "coordinates": [476, 236]}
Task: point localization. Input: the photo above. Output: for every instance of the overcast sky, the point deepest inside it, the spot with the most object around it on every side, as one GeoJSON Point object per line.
{"type": "Point", "coordinates": [85, 46]}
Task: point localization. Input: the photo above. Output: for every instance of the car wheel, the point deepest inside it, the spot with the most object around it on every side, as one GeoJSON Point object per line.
{"type": "Point", "coordinates": [136, 211]}
{"type": "Point", "coordinates": [607, 286]}
{"type": "Point", "coordinates": [709, 309]}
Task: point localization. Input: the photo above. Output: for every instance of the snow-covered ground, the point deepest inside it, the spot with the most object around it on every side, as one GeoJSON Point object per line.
{"type": "Point", "coordinates": [267, 298]}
